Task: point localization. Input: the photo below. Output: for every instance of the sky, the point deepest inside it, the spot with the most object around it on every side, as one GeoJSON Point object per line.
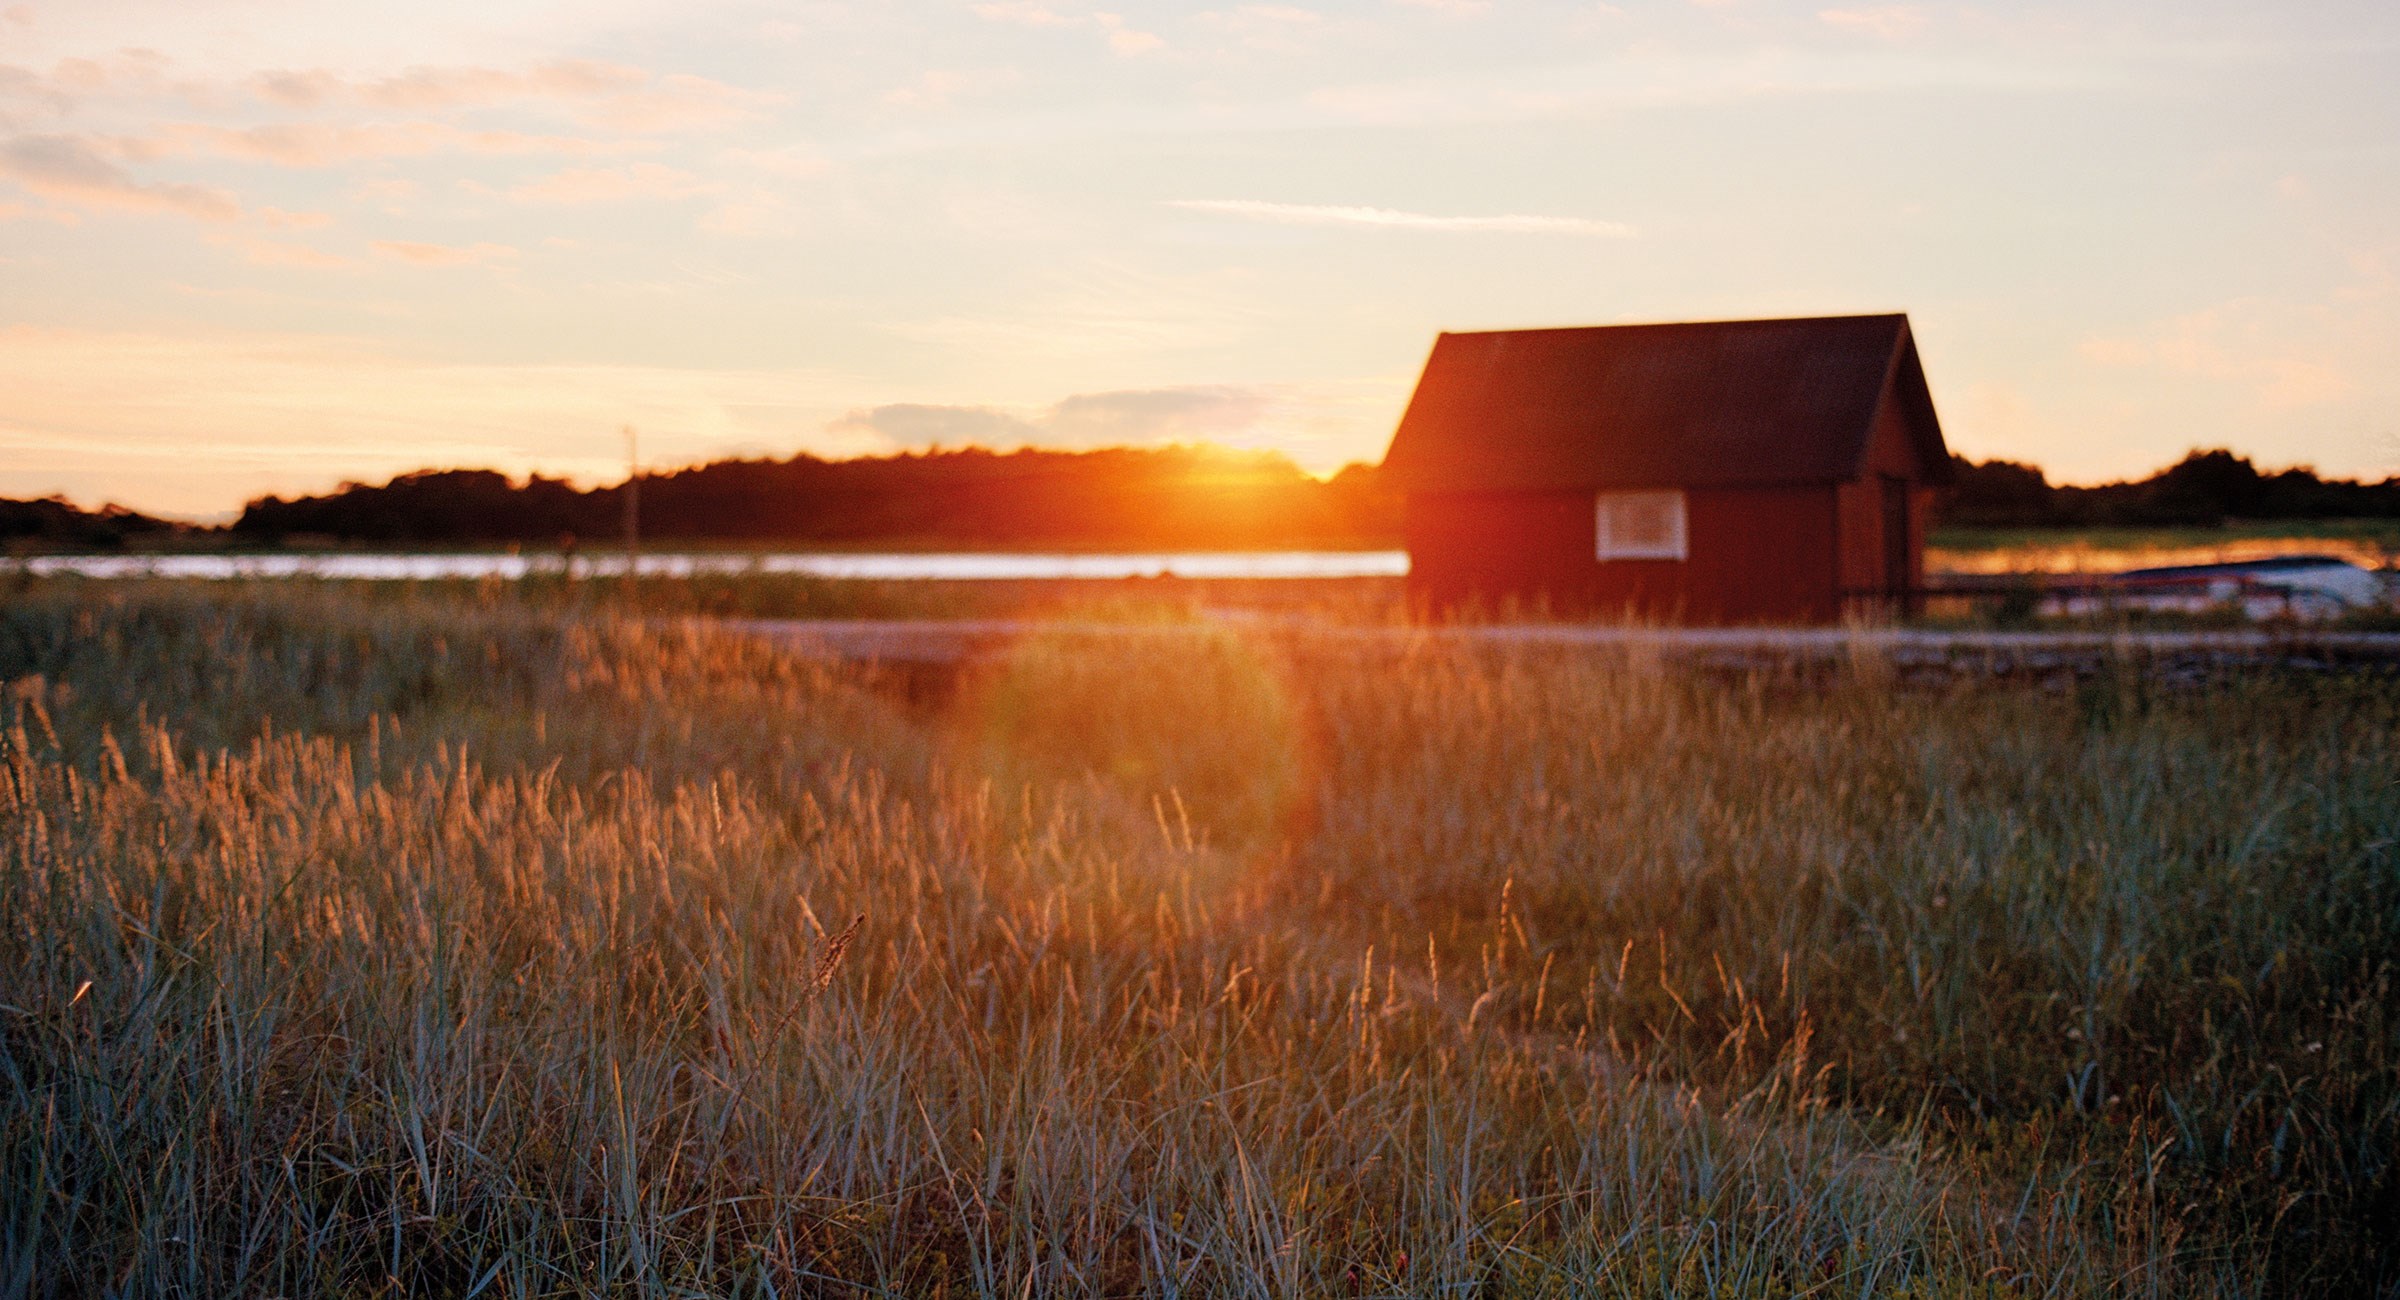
{"type": "Point", "coordinates": [260, 246]}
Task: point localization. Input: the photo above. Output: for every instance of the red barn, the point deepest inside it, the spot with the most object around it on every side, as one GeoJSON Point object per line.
{"type": "Point", "coordinates": [1766, 471]}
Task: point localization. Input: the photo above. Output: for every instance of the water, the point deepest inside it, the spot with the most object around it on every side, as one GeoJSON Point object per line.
{"type": "Point", "coordinates": [951, 565]}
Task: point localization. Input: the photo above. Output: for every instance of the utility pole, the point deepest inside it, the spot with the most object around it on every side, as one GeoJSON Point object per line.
{"type": "Point", "coordinates": [633, 506]}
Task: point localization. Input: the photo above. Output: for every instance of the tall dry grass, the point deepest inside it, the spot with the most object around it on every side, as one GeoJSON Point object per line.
{"type": "Point", "coordinates": [368, 947]}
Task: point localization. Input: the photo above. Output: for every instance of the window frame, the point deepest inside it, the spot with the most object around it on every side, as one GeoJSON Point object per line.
{"type": "Point", "coordinates": [1605, 547]}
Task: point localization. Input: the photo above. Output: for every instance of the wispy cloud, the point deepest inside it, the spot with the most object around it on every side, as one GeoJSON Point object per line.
{"type": "Point", "coordinates": [1312, 214]}
{"type": "Point", "coordinates": [1123, 37]}
{"type": "Point", "coordinates": [1322, 425]}
{"type": "Point", "coordinates": [1887, 22]}
{"type": "Point", "coordinates": [612, 185]}
{"type": "Point", "coordinates": [404, 250]}
{"type": "Point", "coordinates": [322, 144]}
{"type": "Point", "coordinates": [1274, 28]}
{"type": "Point", "coordinates": [1126, 39]}
{"type": "Point", "coordinates": [1023, 13]}
{"type": "Point", "coordinates": [609, 95]}
{"type": "Point", "coordinates": [27, 87]}
{"type": "Point", "coordinates": [2233, 342]}
{"type": "Point", "coordinates": [73, 170]}
{"type": "Point", "coordinates": [1198, 413]}
{"type": "Point", "coordinates": [937, 87]}
{"type": "Point", "coordinates": [1665, 77]}
{"type": "Point", "coordinates": [454, 87]}
{"type": "Point", "coordinates": [278, 252]}
{"type": "Point", "coordinates": [676, 103]}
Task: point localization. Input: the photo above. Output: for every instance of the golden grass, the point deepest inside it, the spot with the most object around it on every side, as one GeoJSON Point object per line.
{"type": "Point", "coordinates": [358, 947]}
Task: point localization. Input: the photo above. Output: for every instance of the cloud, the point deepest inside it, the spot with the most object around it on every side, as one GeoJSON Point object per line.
{"type": "Point", "coordinates": [612, 96]}
{"type": "Point", "coordinates": [74, 170]}
{"type": "Point", "coordinates": [756, 201]}
{"type": "Point", "coordinates": [938, 87]}
{"type": "Point", "coordinates": [1125, 39]}
{"type": "Point", "coordinates": [680, 102]}
{"type": "Point", "coordinates": [1126, 417]}
{"type": "Point", "coordinates": [1307, 214]}
{"type": "Point", "coordinates": [323, 144]}
{"type": "Point", "coordinates": [1023, 13]}
{"type": "Point", "coordinates": [275, 252]}
{"type": "Point", "coordinates": [612, 185]}
{"type": "Point", "coordinates": [131, 70]}
{"type": "Point", "coordinates": [2234, 342]}
{"type": "Point", "coordinates": [1277, 29]}
{"type": "Point", "coordinates": [1321, 425]}
{"type": "Point", "coordinates": [756, 214]}
{"type": "Point", "coordinates": [390, 193]}
{"type": "Point", "coordinates": [26, 86]}
{"type": "Point", "coordinates": [1886, 22]}
{"type": "Point", "coordinates": [405, 250]}
{"type": "Point", "coordinates": [1155, 414]}
{"type": "Point", "coordinates": [910, 424]}
{"type": "Point", "coordinates": [423, 88]}
{"type": "Point", "coordinates": [1647, 77]}
{"type": "Point", "coordinates": [1455, 8]}
{"type": "Point", "coordinates": [296, 89]}
{"type": "Point", "coordinates": [284, 219]}
{"type": "Point", "coordinates": [791, 161]}
{"type": "Point", "coordinates": [26, 212]}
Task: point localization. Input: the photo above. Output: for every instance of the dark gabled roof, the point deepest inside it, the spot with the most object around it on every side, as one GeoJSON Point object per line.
{"type": "Point", "coordinates": [1755, 403]}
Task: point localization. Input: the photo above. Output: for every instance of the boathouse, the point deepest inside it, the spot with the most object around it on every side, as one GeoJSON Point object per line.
{"type": "Point", "coordinates": [1761, 471]}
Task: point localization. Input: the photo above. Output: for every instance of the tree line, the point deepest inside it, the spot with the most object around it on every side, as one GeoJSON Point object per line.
{"type": "Point", "coordinates": [2204, 489]}
{"type": "Point", "coordinates": [1123, 497]}
{"type": "Point", "coordinates": [54, 521]}
{"type": "Point", "coordinates": [1171, 497]}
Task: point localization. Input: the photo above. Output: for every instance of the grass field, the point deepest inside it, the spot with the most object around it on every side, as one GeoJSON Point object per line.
{"type": "Point", "coordinates": [379, 946]}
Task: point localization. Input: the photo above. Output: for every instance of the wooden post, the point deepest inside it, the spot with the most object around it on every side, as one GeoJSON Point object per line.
{"type": "Point", "coordinates": [633, 507]}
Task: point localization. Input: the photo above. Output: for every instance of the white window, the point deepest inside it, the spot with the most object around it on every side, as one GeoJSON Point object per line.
{"type": "Point", "coordinates": [1641, 526]}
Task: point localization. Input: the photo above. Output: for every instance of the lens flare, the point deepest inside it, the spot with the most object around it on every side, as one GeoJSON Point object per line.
{"type": "Point", "coordinates": [1189, 724]}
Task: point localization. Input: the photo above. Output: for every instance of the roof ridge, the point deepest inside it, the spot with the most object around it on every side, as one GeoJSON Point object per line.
{"type": "Point", "coordinates": [1898, 316]}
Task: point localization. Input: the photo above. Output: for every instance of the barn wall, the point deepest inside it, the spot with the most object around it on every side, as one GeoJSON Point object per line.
{"type": "Point", "coordinates": [1485, 550]}
{"type": "Point", "coordinates": [1756, 556]}
{"type": "Point", "coordinates": [1890, 450]}
{"type": "Point", "coordinates": [1763, 555]}
{"type": "Point", "coordinates": [1868, 581]}
{"type": "Point", "coordinates": [1861, 532]}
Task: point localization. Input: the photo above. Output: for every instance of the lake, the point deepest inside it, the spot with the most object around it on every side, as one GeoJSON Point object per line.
{"type": "Point", "coordinates": [950, 565]}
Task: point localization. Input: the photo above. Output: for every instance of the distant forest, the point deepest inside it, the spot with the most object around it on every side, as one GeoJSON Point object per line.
{"type": "Point", "coordinates": [2204, 489]}
{"type": "Point", "coordinates": [54, 523]}
{"type": "Point", "coordinates": [1169, 498]}
{"type": "Point", "coordinates": [1176, 497]}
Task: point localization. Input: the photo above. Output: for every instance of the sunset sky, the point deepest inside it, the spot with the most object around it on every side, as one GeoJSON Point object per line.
{"type": "Point", "coordinates": [251, 246]}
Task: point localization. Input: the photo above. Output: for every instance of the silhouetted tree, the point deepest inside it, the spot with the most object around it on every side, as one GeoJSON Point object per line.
{"type": "Point", "coordinates": [53, 521]}
{"type": "Point", "coordinates": [1996, 492]}
{"type": "Point", "coordinates": [2204, 489]}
